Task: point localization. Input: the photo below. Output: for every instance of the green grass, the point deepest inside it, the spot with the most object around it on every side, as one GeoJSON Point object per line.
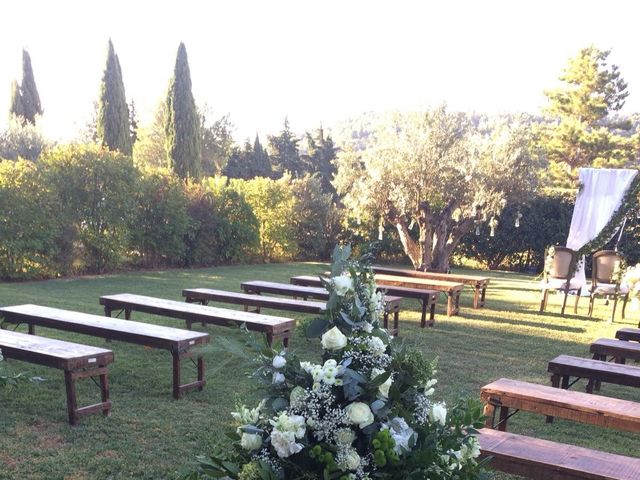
{"type": "Point", "coordinates": [150, 435]}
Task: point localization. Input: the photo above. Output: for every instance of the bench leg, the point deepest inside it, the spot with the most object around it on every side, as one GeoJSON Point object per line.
{"type": "Point", "coordinates": [385, 319]}
{"type": "Point", "coordinates": [104, 394]}
{"type": "Point", "coordinates": [555, 383]}
{"type": "Point", "coordinates": [489, 411]}
{"type": "Point", "coordinates": [504, 415]}
{"type": "Point", "coordinates": [482, 296]}
{"type": "Point", "coordinates": [543, 300]}
{"type": "Point", "coordinates": [396, 321]}
{"type": "Point", "coordinates": [178, 388]}
{"type": "Point", "coordinates": [423, 319]}
{"type": "Point", "coordinates": [32, 329]}
{"type": "Point", "coordinates": [453, 303]}
{"type": "Point", "coordinates": [476, 297]}
{"type": "Point", "coordinates": [72, 402]}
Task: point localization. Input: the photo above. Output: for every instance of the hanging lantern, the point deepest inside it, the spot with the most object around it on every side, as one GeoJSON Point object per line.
{"type": "Point", "coordinates": [493, 223]}
{"type": "Point", "coordinates": [518, 217]}
{"type": "Point", "coordinates": [477, 224]}
{"type": "Point", "coordinates": [412, 224]}
{"type": "Point", "coordinates": [380, 230]}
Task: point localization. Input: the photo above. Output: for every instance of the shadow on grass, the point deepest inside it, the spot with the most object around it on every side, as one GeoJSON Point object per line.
{"type": "Point", "coordinates": [526, 323]}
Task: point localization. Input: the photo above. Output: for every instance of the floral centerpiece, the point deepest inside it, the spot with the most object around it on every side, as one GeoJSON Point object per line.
{"type": "Point", "coordinates": [366, 410]}
{"type": "Point", "coordinates": [631, 278]}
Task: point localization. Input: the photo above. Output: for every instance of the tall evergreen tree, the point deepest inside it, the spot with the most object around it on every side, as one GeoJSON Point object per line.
{"type": "Point", "coordinates": [322, 152]}
{"type": "Point", "coordinates": [113, 127]}
{"type": "Point", "coordinates": [261, 161]}
{"type": "Point", "coordinates": [285, 154]}
{"type": "Point", "coordinates": [16, 108]}
{"type": "Point", "coordinates": [250, 162]}
{"type": "Point", "coordinates": [182, 121]}
{"type": "Point", "coordinates": [29, 91]}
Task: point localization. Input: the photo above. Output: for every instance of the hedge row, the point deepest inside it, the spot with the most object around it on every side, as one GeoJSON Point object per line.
{"type": "Point", "coordinates": [83, 209]}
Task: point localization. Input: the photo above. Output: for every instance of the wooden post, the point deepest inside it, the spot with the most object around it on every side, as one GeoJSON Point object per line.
{"type": "Point", "coordinates": [176, 374]}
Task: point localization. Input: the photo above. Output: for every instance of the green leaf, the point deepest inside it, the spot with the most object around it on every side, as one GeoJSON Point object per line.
{"type": "Point", "coordinates": [317, 327]}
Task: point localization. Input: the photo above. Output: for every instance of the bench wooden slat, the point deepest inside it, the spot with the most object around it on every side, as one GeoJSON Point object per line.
{"type": "Point", "coordinates": [618, 349]}
{"type": "Point", "coordinates": [198, 313]}
{"type": "Point", "coordinates": [566, 366]}
{"type": "Point", "coordinates": [544, 459]}
{"type": "Point", "coordinates": [628, 334]}
{"type": "Point", "coordinates": [177, 341]}
{"type": "Point", "coordinates": [577, 406]}
{"type": "Point", "coordinates": [76, 360]}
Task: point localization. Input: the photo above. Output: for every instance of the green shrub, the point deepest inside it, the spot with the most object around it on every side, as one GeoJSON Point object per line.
{"type": "Point", "coordinates": [95, 193]}
{"type": "Point", "coordinates": [272, 203]}
{"type": "Point", "coordinates": [28, 222]}
{"type": "Point", "coordinates": [222, 226]}
{"type": "Point", "coordinates": [160, 220]}
{"type": "Point", "coordinates": [545, 221]}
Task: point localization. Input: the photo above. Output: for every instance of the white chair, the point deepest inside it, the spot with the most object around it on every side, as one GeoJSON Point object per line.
{"type": "Point", "coordinates": [558, 276]}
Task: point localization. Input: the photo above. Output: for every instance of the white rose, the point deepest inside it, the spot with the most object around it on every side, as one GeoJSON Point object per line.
{"type": "Point", "coordinates": [279, 361]}
{"type": "Point", "coordinates": [278, 377]}
{"type": "Point", "coordinates": [342, 284]}
{"type": "Point", "coordinates": [359, 413]}
{"type": "Point", "coordinates": [250, 441]}
{"type": "Point", "coordinates": [377, 346]}
{"type": "Point", "coordinates": [345, 436]}
{"type": "Point", "coordinates": [439, 413]}
{"type": "Point", "coordinates": [334, 339]}
{"type": "Point", "coordinates": [383, 389]}
{"type": "Point", "coordinates": [350, 460]}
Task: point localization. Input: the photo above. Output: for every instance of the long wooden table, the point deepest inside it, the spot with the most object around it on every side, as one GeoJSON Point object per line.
{"type": "Point", "coordinates": [206, 295]}
{"type": "Point", "coordinates": [478, 283]}
{"type": "Point", "coordinates": [178, 342]}
{"type": "Point", "coordinates": [274, 327]}
{"type": "Point", "coordinates": [76, 360]}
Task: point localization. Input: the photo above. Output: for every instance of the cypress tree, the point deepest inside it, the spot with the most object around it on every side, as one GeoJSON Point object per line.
{"type": "Point", "coordinates": [182, 121]}
{"type": "Point", "coordinates": [113, 112]}
{"type": "Point", "coordinates": [16, 109]}
{"type": "Point", "coordinates": [29, 92]}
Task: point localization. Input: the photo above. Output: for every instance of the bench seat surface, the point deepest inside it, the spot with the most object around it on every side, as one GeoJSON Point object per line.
{"type": "Point", "coordinates": [51, 352]}
{"type": "Point", "coordinates": [311, 281]}
{"type": "Point", "coordinates": [615, 347]}
{"type": "Point", "coordinates": [538, 458]}
{"type": "Point", "coordinates": [197, 312]}
{"type": "Point", "coordinates": [588, 368]}
{"type": "Point", "coordinates": [208, 293]}
{"type": "Point", "coordinates": [98, 325]}
{"type": "Point", "coordinates": [441, 285]}
{"type": "Point", "coordinates": [632, 334]}
{"type": "Point", "coordinates": [578, 406]}
{"type": "Point", "coordinates": [452, 277]}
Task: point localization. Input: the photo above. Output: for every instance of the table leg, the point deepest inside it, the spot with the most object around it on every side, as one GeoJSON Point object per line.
{"type": "Point", "coordinates": [72, 402]}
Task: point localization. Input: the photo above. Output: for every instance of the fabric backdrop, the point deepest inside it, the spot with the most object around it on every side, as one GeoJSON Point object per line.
{"type": "Point", "coordinates": [600, 197]}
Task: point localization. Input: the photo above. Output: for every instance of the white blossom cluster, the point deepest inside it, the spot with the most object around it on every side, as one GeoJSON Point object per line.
{"type": "Point", "coordinates": [324, 420]}
{"type": "Point", "coordinates": [327, 373]}
{"type": "Point", "coordinates": [369, 352]}
{"type": "Point", "coordinates": [469, 451]}
{"type": "Point", "coordinates": [286, 430]}
{"type": "Point", "coordinates": [403, 435]}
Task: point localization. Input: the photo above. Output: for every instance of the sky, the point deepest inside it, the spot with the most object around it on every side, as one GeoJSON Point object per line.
{"type": "Point", "coordinates": [316, 62]}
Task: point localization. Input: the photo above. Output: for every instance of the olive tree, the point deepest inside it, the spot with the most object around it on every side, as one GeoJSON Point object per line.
{"type": "Point", "coordinates": [440, 172]}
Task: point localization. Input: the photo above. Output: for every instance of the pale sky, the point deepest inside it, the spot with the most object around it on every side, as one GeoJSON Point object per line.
{"type": "Point", "coordinates": [314, 61]}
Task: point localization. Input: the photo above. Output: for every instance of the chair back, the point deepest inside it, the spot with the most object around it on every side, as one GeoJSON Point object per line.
{"type": "Point", "coordinates": [605, 263]}
{"type": "Point", "coordinates": [564, 262]}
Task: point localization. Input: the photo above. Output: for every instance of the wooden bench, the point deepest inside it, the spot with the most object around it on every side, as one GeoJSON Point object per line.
{"type": "Point", "coordinates": [543, 459]}
{"type": "Point", "coordinates": [564, 367]}
{"type": "Point", "coordinates": [505, 394]}
{"type": "Point", "coordinates": [628, 334]}
{"type": "Point", "coordinates": [205, 295]}
{"type": "Point", "coordinates": [77, 361]}
{"type": "Point", "coordinates": [178, 342]}
{"type": "Point", "coordinates": [478, 283]}
{"type": "Point", "coordinates": [274, 327]}
{"type": "Point", "coordinates": [428, 298]}
{"type": "Point", "coordinates": [618, 350]}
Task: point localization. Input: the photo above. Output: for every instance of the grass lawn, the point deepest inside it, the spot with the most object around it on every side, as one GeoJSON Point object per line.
{"type": "Point", "coordinates": [152, 436]}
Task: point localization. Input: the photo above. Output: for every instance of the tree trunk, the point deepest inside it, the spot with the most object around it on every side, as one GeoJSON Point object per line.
{"type": "Point", "coordinates": [411, 248]}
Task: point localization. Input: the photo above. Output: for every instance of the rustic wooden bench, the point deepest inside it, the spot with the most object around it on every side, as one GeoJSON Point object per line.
{"type": "Point", "coordinates": [505, 394]}
{"type": "Point", "coordinates": [543, 459]}
{"type": "Point", "coordinates": [564, 367]}
{"type": "Point", "coordinates": [275, 328]}
{"type": "Point", "coordinates": [205, 295]}
{"type": "Point", "coordinates": [176, 341]}
{"type": "Point", "coordinates": [478, 283]}
{"type": "Point", "coordinates": [618, 350]}
{"type": "Point", "coordinates": [428, 298]}
{"type": "Point", "coordinates": [628, 334]}
{"type": "Point", "coordinates": [76, 360]}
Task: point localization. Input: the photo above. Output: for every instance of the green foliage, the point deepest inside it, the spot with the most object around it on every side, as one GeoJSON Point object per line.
{"type": "Point", "coordinates": [314, 226]}
{"type": "Point", "coordinates": [217, 142]}
{"type": "Point", "coordinates": [16, 107]}
{"type": "Point", "coordinates": [28, 222]}
{"type": "Point", "coordinates": [21, 140]}
{"type": "Point", "coordinates": [440, 172]}
{"type": "Point", "coordinates": [182, 127]}
{"type": "Point", "coordinates": [250, 162]}
{"type": "Point", "coordinates": [544, 221]}
{"type": "Point", "coordinates": [149, 149]}
{"type": "Point", "coordinates": [113, 129]}
{"type": "Point", "coordinates": [94, 193]}
{"type": "Point", "coordinates": [159, 221]}
{"type": "Point", "coordinates": [580, 132]}
{"type": "Point", "coordinates": [272, 203]}
{"type": "Point", "coordinates": [222, 229]}
{"type": "Point", "coordinates": [321, 156]}
{"type": "Point", "coordinates": [285, 156]}
{"type": "Point", "coordinates": [29, 92]}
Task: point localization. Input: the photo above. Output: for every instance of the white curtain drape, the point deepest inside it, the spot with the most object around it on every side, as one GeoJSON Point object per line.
{"type": "Point", "coordinates": [600, 197]}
